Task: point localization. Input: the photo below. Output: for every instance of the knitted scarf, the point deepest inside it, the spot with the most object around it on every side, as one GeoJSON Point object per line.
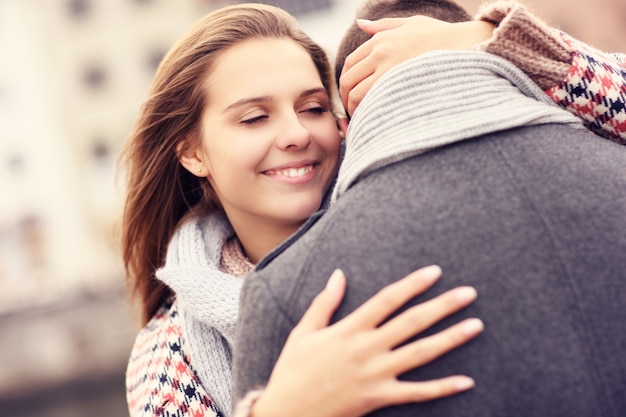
{"type": "Point", "coordinates": [453, 95]}
{"type": "Point", "coordinates": [208, 301]}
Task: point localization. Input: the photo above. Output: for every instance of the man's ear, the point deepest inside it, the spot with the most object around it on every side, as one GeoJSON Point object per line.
{"type": "Point", "coordinates": [190, 156]}
{"type": "Point", "coordinates": [342, 124]}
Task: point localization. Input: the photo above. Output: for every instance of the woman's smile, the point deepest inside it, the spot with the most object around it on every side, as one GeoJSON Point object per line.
{"type": "Point", "coordinates": [297, 173]}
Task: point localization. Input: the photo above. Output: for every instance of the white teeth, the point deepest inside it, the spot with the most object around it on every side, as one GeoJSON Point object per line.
{"type": "Point", "coordinates": [295, 172]}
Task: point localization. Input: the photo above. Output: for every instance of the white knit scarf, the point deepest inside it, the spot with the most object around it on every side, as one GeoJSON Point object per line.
{"type": "Point", "coordinates": [427, 102]}
{"type": "Point", "coordinates": [208, 301]}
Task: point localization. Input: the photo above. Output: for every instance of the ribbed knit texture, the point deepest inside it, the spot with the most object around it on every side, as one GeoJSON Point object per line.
{"type": "Point", "coordinates": [233, 261]}
{"type": "Point", "coordinates": [208, 301]}
{"type": "Point", "coordinates": [456, 95]}
{"type": "Point", "coordinates": [527, 42]}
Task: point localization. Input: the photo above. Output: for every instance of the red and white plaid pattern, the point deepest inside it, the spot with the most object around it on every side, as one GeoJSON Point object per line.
{"type": "Point", "coordinates": [159, 379]}
{"type": "Point", "coordinates": [595, 90]}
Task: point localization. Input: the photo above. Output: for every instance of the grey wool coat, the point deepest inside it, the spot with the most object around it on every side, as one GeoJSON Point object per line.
{"type": "Point", "coordinates": [532, 216]}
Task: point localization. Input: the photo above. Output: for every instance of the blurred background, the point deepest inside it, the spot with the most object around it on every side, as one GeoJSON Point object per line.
{"type": "Point", "coordinates": [73, 74]}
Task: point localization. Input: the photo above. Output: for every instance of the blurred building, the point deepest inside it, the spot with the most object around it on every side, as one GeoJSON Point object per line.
{"type": "Point", "coordinates": [73, 75]}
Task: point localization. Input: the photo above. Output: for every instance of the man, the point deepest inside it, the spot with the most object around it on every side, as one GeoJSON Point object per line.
{"type": "Point", "coordinates": [529, 211]}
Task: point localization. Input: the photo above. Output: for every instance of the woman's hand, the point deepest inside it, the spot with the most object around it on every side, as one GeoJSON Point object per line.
{"type": "Point", "coordinates": [350, 368]}
{"type": "Point", "coordinates": [396, 40]}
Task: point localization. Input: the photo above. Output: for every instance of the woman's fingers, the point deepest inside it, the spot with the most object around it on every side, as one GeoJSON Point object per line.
{"type": "Point", "coordinates": [358, 92]}
{"type": "Point", "coordinates": [318, 315]}
{"type": "Point", "coordinates": [353, 85]}
{"type": "Point", "coordinates": [422, 316]}
{"type": "Point", "coordinates": [371, 27]}
{"type": "Point", "coordinates": [355, 69]}
{"type": "Point", "coordinates": [402, 392]}
{"type": "Point", "coordinates": [390, 298]}
{"type": "Point", "coordinates": [374, 26]}
{"type": "Point", "coordinates": [391, 43]}
{"type": "Point", "coordinates": [427, 349]}
{"type": "Point", "coordinates": [356, 56]}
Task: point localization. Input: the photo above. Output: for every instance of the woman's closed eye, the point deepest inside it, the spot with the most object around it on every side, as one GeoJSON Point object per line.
{"type": "Point", "coordinates": [315, 109]}
{"type": "Point", "coordinates": [254, 119]}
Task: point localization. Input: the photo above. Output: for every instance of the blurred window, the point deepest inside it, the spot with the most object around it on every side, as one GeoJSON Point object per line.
{"type": "Point", "coordinates": [154, 59]}
{"type": "Point", "coordinates": [79, 9]}
{"type": "Point", "coordinates": [95, 76]}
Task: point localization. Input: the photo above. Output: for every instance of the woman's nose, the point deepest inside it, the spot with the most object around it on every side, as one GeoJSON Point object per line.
{"type": "Point", "coordinates": [293, 135]}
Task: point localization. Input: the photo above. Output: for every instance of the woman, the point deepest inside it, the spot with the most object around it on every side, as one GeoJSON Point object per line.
{"type": "Point", "coordinates": [209, 130]}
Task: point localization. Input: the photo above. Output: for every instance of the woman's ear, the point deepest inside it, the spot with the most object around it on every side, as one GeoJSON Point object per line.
{"type": "Point", "coordinates": [342, 123]}
{"type": "Point", "coordinates": [190, 157]}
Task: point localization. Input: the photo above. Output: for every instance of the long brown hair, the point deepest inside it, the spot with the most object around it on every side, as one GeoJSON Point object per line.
{"type": "Point", "coordinates": [159, 191]}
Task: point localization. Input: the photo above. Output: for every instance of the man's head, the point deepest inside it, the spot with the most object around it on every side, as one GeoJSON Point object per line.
{"type": "Point", "coordinates": [377, 9]}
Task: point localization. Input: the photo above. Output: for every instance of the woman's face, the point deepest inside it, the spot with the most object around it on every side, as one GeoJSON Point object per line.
{"type": "Point", "coordinates": [270, 142]}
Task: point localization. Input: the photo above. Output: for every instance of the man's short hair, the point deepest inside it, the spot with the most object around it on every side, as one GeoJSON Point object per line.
{"type": "Point", "coordinates": [377, 9]}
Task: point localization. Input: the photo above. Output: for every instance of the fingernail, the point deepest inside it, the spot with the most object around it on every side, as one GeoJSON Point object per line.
{"type": "Point", "coordinates": [472, 327]}
{"type": "Point", "coordinates": [333, 281]}
{"type": "Point", "coordinates": [466, 294]}
{"type": "Point", "coordinates": [430, 273]}
{"type": "Point", "coordinates": [464, 383]}
{"type": "Point", "coordinates": [363, 21]}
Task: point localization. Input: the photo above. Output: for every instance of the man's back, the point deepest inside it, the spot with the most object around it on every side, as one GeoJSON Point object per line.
{"type": "Point", "coordinates": [533, 218]}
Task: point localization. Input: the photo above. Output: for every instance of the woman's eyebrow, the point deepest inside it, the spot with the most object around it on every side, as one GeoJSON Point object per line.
{"type": "Point", "coordinates": [249, 100]}
{"type": "Point", "coordinates": [267, 99]}
{"type": "Point", "coordinates": [313, 91]}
